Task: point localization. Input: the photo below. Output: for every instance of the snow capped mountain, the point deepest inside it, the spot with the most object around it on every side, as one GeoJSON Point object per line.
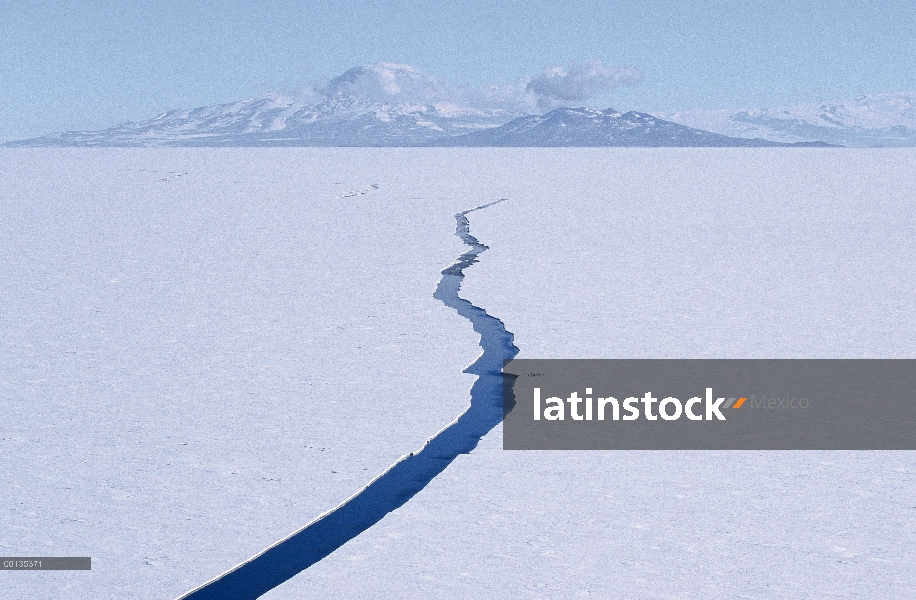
{"type": "Point", "coordinates": [382, 104]}
{"type": "Point", "coordinates": [875, 120]}
{"type": "Point", "coordinates": [587, 127]}
{"type": "Point", "coordinates": [386, 104]}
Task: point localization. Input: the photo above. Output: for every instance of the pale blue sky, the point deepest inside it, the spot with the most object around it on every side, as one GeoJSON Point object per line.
{"type": "Point", "coordinates": [89, 65]}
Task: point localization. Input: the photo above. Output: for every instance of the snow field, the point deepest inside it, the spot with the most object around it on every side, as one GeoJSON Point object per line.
{"type": "Point", "coordinates": [194, 367]}
{"type": "Point", "coordinates": [598, 253]}
{"type": "Point", "coordinates": [671, 253]}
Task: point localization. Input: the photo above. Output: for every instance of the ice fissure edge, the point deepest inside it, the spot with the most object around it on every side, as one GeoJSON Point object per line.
{"type": "Point", "coordinates": [405, 478]}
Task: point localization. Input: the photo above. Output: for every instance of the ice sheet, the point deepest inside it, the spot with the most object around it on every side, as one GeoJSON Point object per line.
{"type": "Point", "coordinates": [204, 350]}
{"type": "Point", "coordinates": [672, 253]}
{"type": "Point", "coordinates": [598, 253]}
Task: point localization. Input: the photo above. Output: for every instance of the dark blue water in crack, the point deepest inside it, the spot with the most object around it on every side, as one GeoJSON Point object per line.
{"type": "Point", "coordinates": [405, 478]}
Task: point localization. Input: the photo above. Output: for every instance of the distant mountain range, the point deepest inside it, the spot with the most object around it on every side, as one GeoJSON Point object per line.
{"type": "Point", "coordinates": [382, 104]}
{"type": "Point", "coordinates": [283, 121]}
{"type": "Point", "coordinates": [385, 104]}
{"type": "Point", "coordinates": [876, 120]}
{"type": "Point", "coordinates": [347, 121]}
{"type": "Point", "coordinates": [587, 127]}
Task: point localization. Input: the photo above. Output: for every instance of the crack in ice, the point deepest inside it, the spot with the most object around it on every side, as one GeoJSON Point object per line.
{"type": "Point", "coordinates": [406, 477]}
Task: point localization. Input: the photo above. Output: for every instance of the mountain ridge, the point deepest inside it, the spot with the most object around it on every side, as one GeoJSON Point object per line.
{"type": "Point", "coordinates": [865, 121]}
{"type": "Point", "coordinates": [585, 127]}
{"type": "Point", "coordinates": [387, 104]}
{"type": "Point", "coordinates": [278, 121]}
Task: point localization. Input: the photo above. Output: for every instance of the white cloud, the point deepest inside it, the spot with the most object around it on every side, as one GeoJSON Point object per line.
{"type": "Point", "coordinates": [396, 84]}
{"type": "Point", "coordinates": [562, 85]}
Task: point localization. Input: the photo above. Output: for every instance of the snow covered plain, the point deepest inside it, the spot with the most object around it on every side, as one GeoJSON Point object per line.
{"type": "Point", "coordinates": [203, 350]}
{"type": "Point", "coordinates": [193, 367]}
{"type": "Point", "coordinates": [672, 253]}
